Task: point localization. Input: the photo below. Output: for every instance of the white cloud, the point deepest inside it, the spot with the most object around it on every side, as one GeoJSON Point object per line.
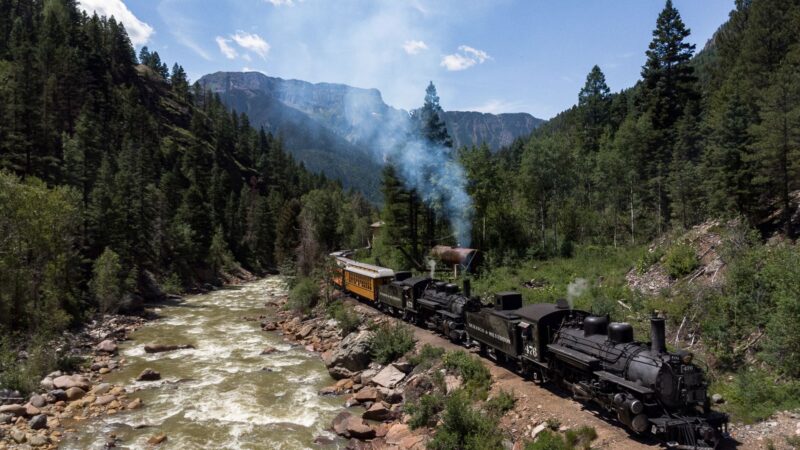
{"type": "Point", "coordinates": [497, 106]}
{"type": "Point", "coordinates": [464, 58]}
{"type": "Point", "coordinates": [225, 48]}
{"type": "Point", "coordinates": [248, 69]}
{"type": "Point", "coordinates": [252, 42]}
{"type": "Point", "coordinates": [413, 47]}
{"type": "Point", "coordinates": [138, 31]}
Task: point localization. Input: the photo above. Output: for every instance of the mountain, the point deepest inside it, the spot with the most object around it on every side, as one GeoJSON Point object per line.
{"type": "Point", "coordinates": [339, 130]}
{"type": "Point", "coordinates": [497, 130]}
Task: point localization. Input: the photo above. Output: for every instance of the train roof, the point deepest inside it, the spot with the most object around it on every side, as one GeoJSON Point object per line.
{"type": "Point", "coordinates": [365, 269]}
{"type": "Point", "coordinates": [415, 281]}
{"type": "Point", "coordinates": [536, 312]}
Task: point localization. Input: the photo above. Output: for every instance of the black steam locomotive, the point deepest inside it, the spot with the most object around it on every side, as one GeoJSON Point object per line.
{"type": "Point", "coordinates": [649, 389]}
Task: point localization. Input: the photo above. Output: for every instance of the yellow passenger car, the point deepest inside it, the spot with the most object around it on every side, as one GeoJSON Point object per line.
{"type": "Point", "coordinates": [361, 279]}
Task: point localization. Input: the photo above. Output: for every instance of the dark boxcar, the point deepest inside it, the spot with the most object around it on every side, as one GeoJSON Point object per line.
{"type": "Point", "coordinates": [496, 326]}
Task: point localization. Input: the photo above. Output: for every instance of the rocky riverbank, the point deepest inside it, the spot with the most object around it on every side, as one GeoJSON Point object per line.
{"type": "Point", "coordinates": [372, 394]}
{"type": "Point", "coordinates": [64, 400]}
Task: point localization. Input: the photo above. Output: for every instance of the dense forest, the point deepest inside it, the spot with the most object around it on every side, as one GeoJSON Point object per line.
{"type": "Point", "coordinates": [121, 181]}
{"type": "Point", "coordinates": [712, 135]}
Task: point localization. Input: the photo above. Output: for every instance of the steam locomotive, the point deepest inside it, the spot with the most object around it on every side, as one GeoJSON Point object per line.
{"type": "Point", "coordinates": [648, 389]}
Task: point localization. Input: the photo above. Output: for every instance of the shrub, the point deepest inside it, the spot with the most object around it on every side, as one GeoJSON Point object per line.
{"type": "Point", "coordinates": [390, 342]}
{"type": "Point", "coordinates": [680, 260]}
{"type": "Point", "coordinates": [346, 318]}
{"type": "Point", "coordinates": [579, 438]}
{"type": "Point", "coordinates": [477, 377]}
{"type": "Point", "coordinates": [755, 395]}
{"type": "Point", "coordinates": [500, 403]}
{"type": "Point", "coordinates": [303, 296]}
{"type": "Point", "coordinates": [172, 284]}
{"type": "Point", "coordinates": [465, 427]}
{"type": "Point", "coordinates": [106, 284]}
{"type": "Point", "coordinates": [647, 259]}
{"type": "Point", "coordinates": [24, 375]}
{"type": "Point", "coordinates": [426, 357]}
{"type": "Point", "coordinates": [423, 413]}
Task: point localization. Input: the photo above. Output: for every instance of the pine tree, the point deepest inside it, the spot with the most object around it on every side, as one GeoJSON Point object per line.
{"type": "Point", "coordinates": [430, 119]}
{"type": "Point", "coordinates": [777, 138]}
{"type": "Point", "coordinates": [594, 101]}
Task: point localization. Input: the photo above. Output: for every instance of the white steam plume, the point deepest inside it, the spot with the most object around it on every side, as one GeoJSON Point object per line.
{"type": "Point", "coordinates": [576, 289]}
{"type": "Point", "coordinates": [430, 169]}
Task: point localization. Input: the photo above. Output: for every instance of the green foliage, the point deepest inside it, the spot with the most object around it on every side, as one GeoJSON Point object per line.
{"type": "Point", "coordinates": [424, 412]}
{"type": "Point", "coordinates": [465, 427]}
{"type": "Point", "coordinates": [24, 375]}
{"type": "Point", "coordinates": [501, 403]}
{"type": "Point", "coordinates": [755, 395]}
{"type": "Point", "coordinates": [346, 318]}
{"type": "Point", "coordinates": [476, 376]}
{"type": "Point", "coordinates": [38, 263]}
{"type": "Point", "coordinates": [427, 356]}
{"type": "Point", "coordinates": [304, 295]}
{"type": "Point", "coordinates": [579, 438]}
{"type": "Point", "coordinates": [680, 260]}
{"type": "Point", "coordinates": [648, 258]}
{"type": "Point", "coordinates": [107, 284]}
{"type": "Point", "coordinates": [172, 284]}
{"type": "Point", "coordinates": [391, 341]}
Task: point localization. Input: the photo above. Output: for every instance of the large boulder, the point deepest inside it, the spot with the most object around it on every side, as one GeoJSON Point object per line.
{"type": "Point", "coordinates": [357, 428]}
{"type": "Point", "coordinates": [38, 401]}
{"type": "Point", "coordinates": [388, 377]}
{"type": "Point", "coordinates": [340, 423]}
{"type": "Point", "coordinates": [69, 381]}
{"type": "Point", "coordinates": [352, 355]}
{"type": "Point", "coordinates": [366, 395]}
{"type": "Point", "coordinates": [13, 409]}
{"type": "Point", "coordinates": [148, 375]}
{"type": "Point", "coordinates": [74, 393]}
{"type": "Point", "coordinates": [107, 346]}
{"type": "Point", "coordinates": [379, 411]}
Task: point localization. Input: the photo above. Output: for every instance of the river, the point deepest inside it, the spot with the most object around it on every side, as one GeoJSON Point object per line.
{"type": "Point", "coordinates": [224, 393]}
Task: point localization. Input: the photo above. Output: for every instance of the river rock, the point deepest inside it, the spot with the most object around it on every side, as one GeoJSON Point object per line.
{"type": "Point", "coordinates": [339, 423]}
{"type": "Point", "coordinates": [18, 436]}
{"type": "Point", "coordinates": [46, 383]}
{"type": "Point", "coordinates": [58, 395]}
{"type": "Point", "coordinates": [101, 389]}
{"type": "Point", "coordinates": [717, 399]}
{"type": "Point", "coordinates": [31, 410]}
{"type": "Point", "coordinates": [148, 375]}
{"type": "Point", "coordinates": [6, 418]}
{"type": "Point", "coordinates": [134, 404]}
{"type": "Point", "coordinates": [157, 439]}
{"type": "Point", "coordinates": [108, 346]}
{"type": "Point", "coordinates": [304, 331]}
{"type": "Point", "coordinates": [397, 433]}
{"type": "Point", "coordinates": [69, 381]}
{"type": "Point", "coordinates": [357, 428]}
{"type": "Point", "coordinates": [268, 350]}
{"type": "Point", "coordinates": [14, 409]}
{"type": "Point", "coordinates": [352, 355]}
{"type": "Point", "coordinates": [104, 400]}
{"type": "Point", "coordinates": [38, 401]}
{"type": "Point", "coordinates": [367, 395]}
{"type": "Point", "coordinates": [37, 440]}
{"type": "Point", "coordinates": [388, 377]}
{"type": "Point", "coordinates": [158, 348]}
{"type": "Point", "coordinates": [379, 411]}
{"type": "Point", "coordinates": [391, 395]}
{"type": "Point", "coordinates": [75, 393]}
{"type": "Point", "coordinates": [38, 422]}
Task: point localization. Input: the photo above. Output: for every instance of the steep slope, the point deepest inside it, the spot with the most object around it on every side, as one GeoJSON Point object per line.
{"type": "Point", "coordinates": [496, 130]}
{"type": "Point", "coordinates": [335, 128]}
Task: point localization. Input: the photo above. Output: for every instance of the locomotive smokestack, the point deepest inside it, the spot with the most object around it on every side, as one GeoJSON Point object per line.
{"type": "Point", "coordinates": [658, 339]}
{"type": "Point", "coordinates": [467, 290]}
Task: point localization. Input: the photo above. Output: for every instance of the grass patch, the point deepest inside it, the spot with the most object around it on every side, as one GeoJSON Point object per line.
{"type": "Point", "coordinates": [24, 375]}
{"type": "Point", "coordinates": [426, 357]}
{"type": "Point", "coordinates": [390, 342]}
{"type": "Point", "coordinates": [425, 411]}
{"type": "Point", "coordinates": [465, 427]}
{"type": "Point", "coordinates": [501, 403]}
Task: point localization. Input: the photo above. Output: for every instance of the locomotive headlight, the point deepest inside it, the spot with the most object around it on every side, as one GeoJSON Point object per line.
{"type": "Point", "coordinates": [687, 358]}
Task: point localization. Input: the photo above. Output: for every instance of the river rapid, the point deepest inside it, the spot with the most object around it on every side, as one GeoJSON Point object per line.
{"type": "Point", "coordinates": [224, 394]}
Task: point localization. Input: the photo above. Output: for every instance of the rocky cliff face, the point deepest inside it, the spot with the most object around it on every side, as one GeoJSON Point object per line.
{"type": "Point", "coordinates": [332, 128]}
{"type": "Point", "coordinates": [496, 130]}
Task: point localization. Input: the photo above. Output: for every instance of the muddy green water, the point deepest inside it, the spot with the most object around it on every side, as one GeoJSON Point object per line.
{"type": "Point", "coordinates": [218, 396]}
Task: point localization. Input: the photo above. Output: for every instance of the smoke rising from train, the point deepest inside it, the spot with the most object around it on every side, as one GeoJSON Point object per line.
{"type": "Point", "coordinates": [431, 170]}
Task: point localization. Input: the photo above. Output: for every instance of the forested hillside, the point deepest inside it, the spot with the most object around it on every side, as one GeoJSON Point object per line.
{"type": "Point", "coordinates": [712, 136]}
{"type": "Point", "coordinates": [119, 180]}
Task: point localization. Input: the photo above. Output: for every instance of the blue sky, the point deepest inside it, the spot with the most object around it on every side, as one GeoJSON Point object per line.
{"type": "Point", "coordinates": [491, 56]}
